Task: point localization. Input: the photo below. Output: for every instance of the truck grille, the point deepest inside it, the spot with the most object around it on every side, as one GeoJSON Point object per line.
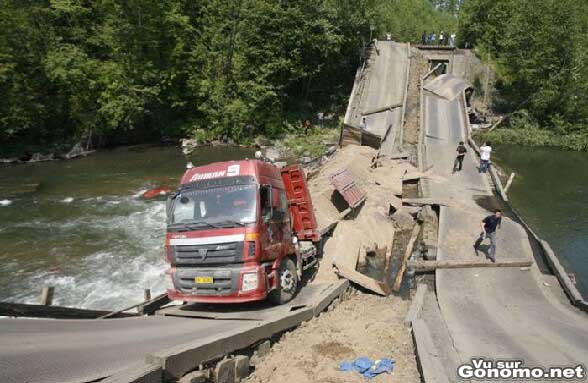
{"type": "Point", "coordinates": [209, 255]}
{"type": "Point", "coordinates": [225, 282]}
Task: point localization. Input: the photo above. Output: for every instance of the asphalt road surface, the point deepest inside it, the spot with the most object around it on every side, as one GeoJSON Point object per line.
{"type": "Point", "coordinates": [385, 87]}
{"type": "Point", "coordinates": [497, 313]}
{"type": "Point", "coordinates": [74, 351]}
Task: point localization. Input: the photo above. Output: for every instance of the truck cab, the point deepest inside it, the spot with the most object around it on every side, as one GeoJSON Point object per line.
{"type": "Point", "coordinates": [234, 233]}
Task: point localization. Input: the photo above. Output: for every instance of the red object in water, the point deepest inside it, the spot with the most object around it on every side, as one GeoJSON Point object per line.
{"type": "Point", "coordinates": [157, 192]}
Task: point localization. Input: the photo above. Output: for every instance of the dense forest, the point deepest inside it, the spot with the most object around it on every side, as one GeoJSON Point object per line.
{"type": "Point", "coordinates": [108, 72]}
{"type": "Point", "coordinates": [540, 51]}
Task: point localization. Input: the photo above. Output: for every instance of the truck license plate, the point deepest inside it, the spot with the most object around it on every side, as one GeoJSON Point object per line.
{"type": "Point", "coordinates": [203, 280]}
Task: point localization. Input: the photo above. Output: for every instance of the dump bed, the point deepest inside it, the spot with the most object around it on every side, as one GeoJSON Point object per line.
{"type": "Point", "coordinates": [300, 203]}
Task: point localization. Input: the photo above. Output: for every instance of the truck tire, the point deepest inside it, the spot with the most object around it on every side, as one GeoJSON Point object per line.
{"type": "Point", "coordinates": [287, 285]}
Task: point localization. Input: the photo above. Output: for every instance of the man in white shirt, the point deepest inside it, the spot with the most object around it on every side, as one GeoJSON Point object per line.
{"type": "Point", "coordinates": [485, 151]}
{"type": "Point", "coordinates": [363, 124]}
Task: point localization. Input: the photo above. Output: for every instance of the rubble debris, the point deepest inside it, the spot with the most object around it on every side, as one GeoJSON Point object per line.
{"type": "Point", "coordinates": [371, 226]}
{"type": "Point", "coordinates": [345, 184]}
{"type": "Point", "coordinates": [409, 248]}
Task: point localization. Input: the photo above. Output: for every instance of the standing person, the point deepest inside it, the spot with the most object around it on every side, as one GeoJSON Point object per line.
{"type": "Point", "coordinates": [441, 38]}
{"type": "Point", "coordinates": [363, 124]}
{"type": "Point", "coordinates": [461, 152]}
{"type": "Point", "coordinates": [485, 151]}
{"type": "Point", "coordinates": [424, 38]}
{"type": "Point", "coordinates": [489, 226]}
{"type": "Point", "coordinates": [452, 39]}
{"type": "Point", "coordinates": [321, 119]}
{"type": "Point", "coordinates": [433, 38]}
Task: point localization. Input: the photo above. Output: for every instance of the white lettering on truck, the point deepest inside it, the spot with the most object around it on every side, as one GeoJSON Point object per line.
{"type": "Point", "coordinates": [207, 176]}
{"type": "Point", "coordinates": [233, 170]}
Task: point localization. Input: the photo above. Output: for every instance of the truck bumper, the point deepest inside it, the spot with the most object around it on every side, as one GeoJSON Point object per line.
{"type": "Point", "coordinates": [226, 287]}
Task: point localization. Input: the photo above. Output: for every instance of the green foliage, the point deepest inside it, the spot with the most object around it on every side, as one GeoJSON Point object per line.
{"type": "Point", "coordinates": [540, 53]}
{"type": "Point", "coordinates": [406, 20]}
{"type": "Point", "coordinates": [524, 130]}
{"type": "Point", "coordinates": [115, 71]}
{"type": "Point", "coordinates": [313, 143]}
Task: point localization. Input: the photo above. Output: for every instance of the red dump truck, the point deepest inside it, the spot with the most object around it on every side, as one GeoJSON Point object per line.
{"type": "Point", "coordinates": [239, 231]}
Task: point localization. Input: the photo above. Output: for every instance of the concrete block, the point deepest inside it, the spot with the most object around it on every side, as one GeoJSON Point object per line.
{"type": "Point", "coordinates": [195, 377]}
{"type": "Point", "coordinates": [417, 304]}
{"type": "Point", "coordinates": [403, 219]}
{"type": "Point", "coordinates": [263, 349]}
{"type": "Point", "coordinates": [241, 367]}
{"type": "Point", "coordinates": [224, 372]}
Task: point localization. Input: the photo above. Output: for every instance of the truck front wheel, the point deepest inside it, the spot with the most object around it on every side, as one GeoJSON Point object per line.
{"type": "Point", "coordinates": [287, 284]}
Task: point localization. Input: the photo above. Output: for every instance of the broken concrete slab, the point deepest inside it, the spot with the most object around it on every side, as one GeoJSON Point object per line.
{"type": "Point", "coordinates": [417, 304]}
{"type": "Point", "coordinates": [364, 281]}
{"type": "Point", "coordinates": [195, 377]}
{"type": "Point", "coordinates": [241, 367]}
{"type": "Point", "coordinates": [409, 248]}
{"type": "Point", "coordinates": [403, 219]}
{"type": "Point", "coordinates": [224, 371]}
{"type": "Point", "coordinates": [447, 86]}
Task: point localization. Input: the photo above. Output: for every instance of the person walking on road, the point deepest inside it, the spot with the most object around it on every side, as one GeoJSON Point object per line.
{"type": "Point", "coordinates": [461, 152]}
{"type": "Point", "coordinates": [489, 226]}
{"type": "Point", "coordinates": [485, 151]}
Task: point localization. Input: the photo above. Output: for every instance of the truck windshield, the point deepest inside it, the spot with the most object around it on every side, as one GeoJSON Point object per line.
{"type": "Point", "coordinates": [219, 206]}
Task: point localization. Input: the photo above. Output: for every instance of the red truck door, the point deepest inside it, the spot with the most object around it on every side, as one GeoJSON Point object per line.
{"type": "Point", "coordinates": [270, 233]}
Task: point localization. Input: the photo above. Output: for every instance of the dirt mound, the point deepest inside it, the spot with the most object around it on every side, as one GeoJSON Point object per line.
{"type": "Point", "coordinates": [364, 325]}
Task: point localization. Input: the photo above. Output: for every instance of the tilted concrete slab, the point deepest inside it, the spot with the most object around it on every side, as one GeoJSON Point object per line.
{"type": "Point", "coordinates": [85, 350]}
{"type": "Point", "coordinates": [498, 312]}
{"type": "Point", "coordinates": [180, 359]}
{"type": "Point", "coordinates": [447, 86]}
{"type": "Point", "coordinates": [256, 311]}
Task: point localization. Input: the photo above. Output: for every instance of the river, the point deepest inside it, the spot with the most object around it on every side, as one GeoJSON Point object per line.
{"type": "Point", "coordinates": [85, 229]}
{"type": "Point", "coordinates": [550, 191]}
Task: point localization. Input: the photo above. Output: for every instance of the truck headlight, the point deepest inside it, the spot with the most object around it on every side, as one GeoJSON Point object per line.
{"type": "Point", "coordinates": [250, 282]}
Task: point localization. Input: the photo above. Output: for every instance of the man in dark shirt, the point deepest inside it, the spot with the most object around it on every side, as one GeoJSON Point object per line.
{"type": "Point", "coordinates": [461, 152]}
{"type": "Point", "coordinates": [489, 226]}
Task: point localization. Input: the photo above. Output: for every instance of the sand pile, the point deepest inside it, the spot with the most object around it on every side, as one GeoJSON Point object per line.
{"type": "Point", "coordinates": [364, 325]}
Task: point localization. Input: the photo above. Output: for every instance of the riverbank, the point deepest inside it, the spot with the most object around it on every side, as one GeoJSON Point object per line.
{"type": "Point", "coordinates": [534, 138]}
{"type": "Point", "coordinates": [304, 147]}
